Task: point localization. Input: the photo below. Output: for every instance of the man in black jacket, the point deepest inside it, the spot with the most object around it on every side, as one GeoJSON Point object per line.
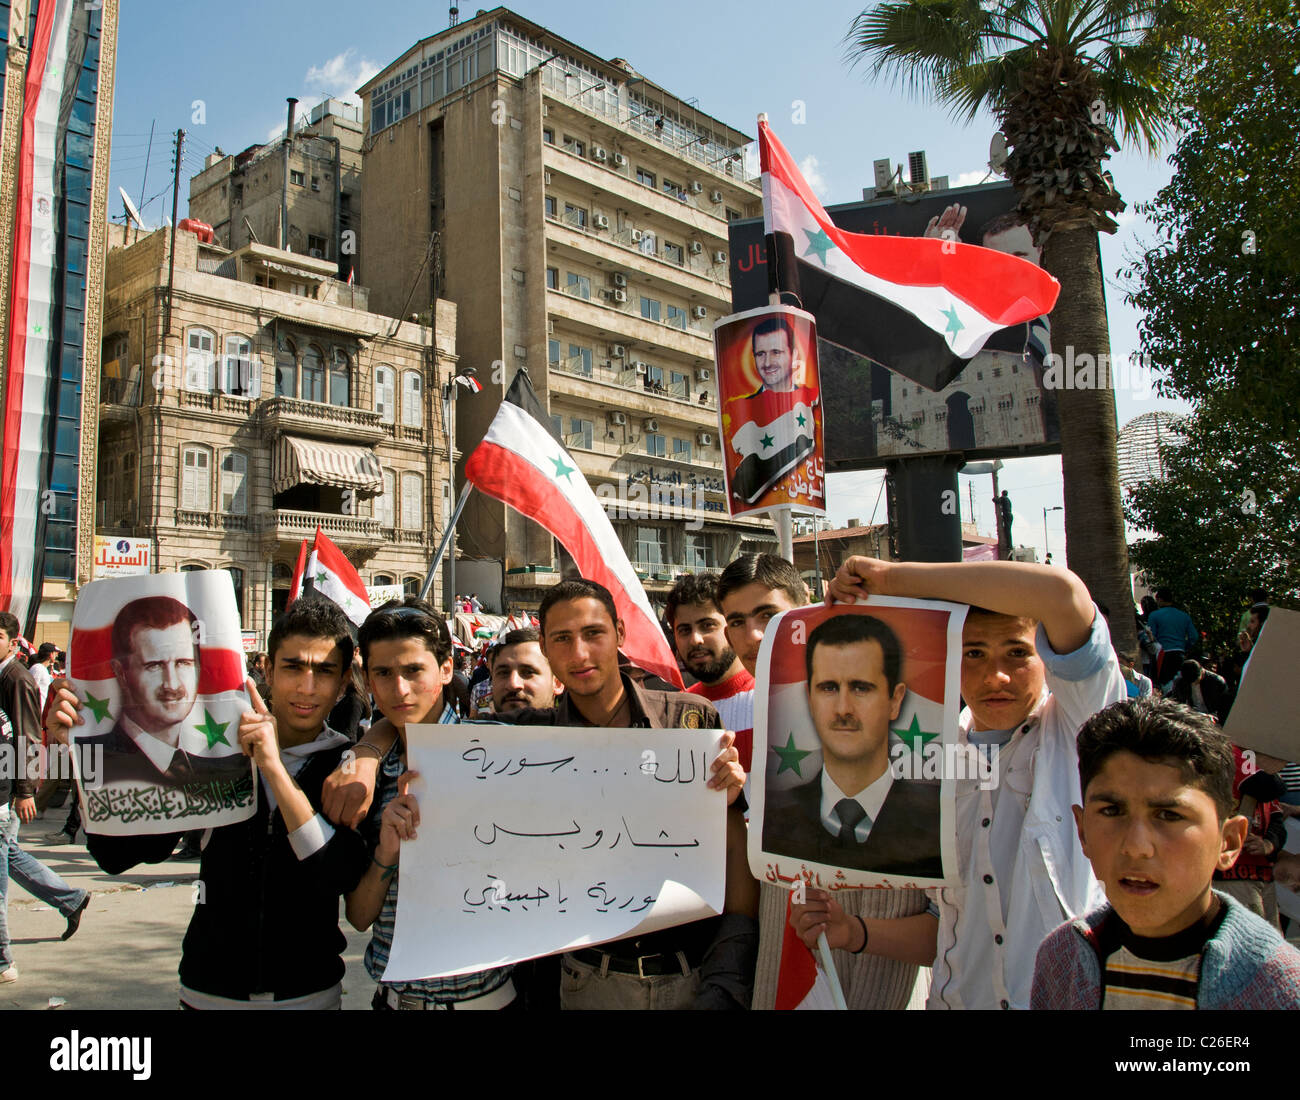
{"type": "Point", "coordinates": [265, 930]}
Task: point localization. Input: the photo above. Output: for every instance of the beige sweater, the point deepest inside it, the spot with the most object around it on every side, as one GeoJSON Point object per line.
{"type": "Point", "coordinates": [869, 981]}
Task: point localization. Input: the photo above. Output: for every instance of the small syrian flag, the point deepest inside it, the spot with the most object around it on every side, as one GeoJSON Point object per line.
{"type": "Point", "coordinates": [948, 298]}
{"type": "Point", "coordinates": [470, 383]}
{"type": "Point", "coordinates": [521, 464]}
{"type": "Point", "coordinates": [771, 446]}
{"type": "Point", "coordinates": [331, 575]}
{"type": "Point", "coordinates": [352, 275]}
{"type": "Point", "coordinates": [800, 983]}
{"type": "Point", "coordinates": [300, 566]}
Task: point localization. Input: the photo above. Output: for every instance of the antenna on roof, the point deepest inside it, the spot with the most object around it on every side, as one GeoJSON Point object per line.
{"type": "Point", "coordinates": [454, 15]}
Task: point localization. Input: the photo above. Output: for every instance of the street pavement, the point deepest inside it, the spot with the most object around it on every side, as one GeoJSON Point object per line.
{"type": "Point", "coordinates": [128, 947]}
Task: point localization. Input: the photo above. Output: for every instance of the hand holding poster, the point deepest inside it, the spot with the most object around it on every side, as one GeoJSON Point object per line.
{"type": "Point", "coordinates": [856, 745]}
{"type": "Point", "coordinates": [157, 663]}
{"type": "Point", "coordinates": [769, 405]}
{"type": "Point", "coordinates": [535, 840]}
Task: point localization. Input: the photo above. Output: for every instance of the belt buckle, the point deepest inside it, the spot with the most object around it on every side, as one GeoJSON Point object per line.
{"type": "Point", "coordinates": [640, 964]}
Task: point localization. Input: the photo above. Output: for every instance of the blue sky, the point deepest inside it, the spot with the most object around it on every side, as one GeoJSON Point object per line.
{"type": "Point", "coordinates": [241, 59]}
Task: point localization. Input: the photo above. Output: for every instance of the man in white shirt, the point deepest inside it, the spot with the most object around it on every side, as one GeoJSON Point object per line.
{"type": "Point", "coordinates": [1037, 661]}
{"type": "Point", "coordinates": [40, 669]}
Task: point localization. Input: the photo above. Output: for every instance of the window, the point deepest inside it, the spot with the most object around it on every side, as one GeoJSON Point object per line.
{"type": "Point", "coordinates": [240, 376]}
{"type": "Point", "coordinates": [655, 444]}
{"type": "Point", "coordinates": [579, 285]}
{"type": "Point", "coordinates": [200, 344]}
{"type": "Point", "coordinates": [677, 317]}
{"type": "Point", "coordinates": [649, 244]}
{"type": "Point", "coordinates": [557, 425]}
{"type": "Point", "coordinates": [573, 145]}
{"type": "Point", "coordinates": [645, 178]}
{"type": "Point", "coordinates": [580, 359]}
{"type": "Point", "coordinates": [237, 579]}
{"type": "Point", "coordinates": [296, 177]}
{"type": "Point", "coordinates": [286, 368]}
{"type": "Point", "coordinates": [654, 377]}
{"type": "Point", "coordinates": [313, 375]}
{"type": "Point", "coordinates": [679, 385]}
{"type": "Point", "coordinates": [316, 245]}
{"type": "Point", "coordinates": [385, 400]}
{"type": "Point", "coordinates": [576, 216]}
{"type": "Point", "coordinates": [682, 449]}
{"type": "Point", "coordinates": [315, 183]}
{"type": "Point", "coordinates": [381, 578]}
{"type": "Point", "coordinates": [651, 546]}
{"type": "Point", "coordinates": [411, 586]}
{"type": "Point", "coordinates": [581, 433]}
{"type": "Point", "coordinates": [650, 308]}
{"type": "Point", "coordinates": [553, 352]}
{"type": "Point", "coordinates": [552, 278]}
{"type": "Point", "coordinates": [234, 483]}
{"type": "Point", "coordinates": [412, 399]}
{"type": "Point", "coordinates": [700, 553]}
{"type": "Point", "coordinates": [196, 479]}
{"type": "Point", "coordinates": [339, 378]}
{"type": "Point", "coordinates": [548, 135]}
{"type": "Point", "coordinates": [733, 215]}
{"type": "Point", "coordinates": [674, 254]}
{"type": "Point", "coordinates": [383, 505]}
{"type": "Point", "coordinates": [551, 207]}
{"type": "Point", "coordinates": [412, 502]}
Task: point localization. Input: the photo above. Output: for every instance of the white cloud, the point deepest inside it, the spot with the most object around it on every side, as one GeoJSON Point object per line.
{"type": "Point", "coordinates": [341, 76]}
{"type": "Point", "coordinates": [811, 169]}
{"type": "Point", "coordinates": [968, 179]}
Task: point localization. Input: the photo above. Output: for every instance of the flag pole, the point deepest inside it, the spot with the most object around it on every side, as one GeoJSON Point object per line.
{"type": "Point", "coordinates": [446, 540]}
{"type": "Point", "coordinates": [832, 975]}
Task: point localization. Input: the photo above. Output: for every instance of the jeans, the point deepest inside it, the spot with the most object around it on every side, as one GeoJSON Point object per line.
{"type": "Point", "coordinates": [32, 875]}
{"type": "Point", "coordinates": [584, 986]}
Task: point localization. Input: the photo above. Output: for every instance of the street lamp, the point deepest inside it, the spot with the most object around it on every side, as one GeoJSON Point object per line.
{"type": "Point", "coordinates": [1058, 508]}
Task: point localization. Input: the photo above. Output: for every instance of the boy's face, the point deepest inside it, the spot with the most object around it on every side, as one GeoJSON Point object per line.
{"type": "Point", "coordinates": [1002, 675]}
{"type": "Point", "coordinates": [406, 680]}
{"type": "Point", "coordinates": [1154, 842]}
{"type": "Point", "coordinates": [305, 682]}
{"type": "Point", "coordinates": [581, 644]}
{"type": "Point", "coordinates": [747, 611]}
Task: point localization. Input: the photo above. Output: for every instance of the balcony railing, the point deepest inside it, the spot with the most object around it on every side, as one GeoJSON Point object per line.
{"type": "Point", "coordinates": [217, 521]}
{"type": "Point", "coordinates": [319, 419]}
{"type": "Point", "coordinates": [629, 379]}
{"type": "Point", "coordinates": [292, 525]}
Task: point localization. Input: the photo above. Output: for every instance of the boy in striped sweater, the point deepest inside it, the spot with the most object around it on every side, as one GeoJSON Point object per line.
{"type": "Point", "coordinates": [1158, 819]}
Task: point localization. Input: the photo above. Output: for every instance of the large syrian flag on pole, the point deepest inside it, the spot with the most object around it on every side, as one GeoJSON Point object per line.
{"type": "Point", "coordinates": [521, 464]}
{"type": "Point", "coordinates": [945, 298]}
{"type": "Point", "coordinates": [331, 575]}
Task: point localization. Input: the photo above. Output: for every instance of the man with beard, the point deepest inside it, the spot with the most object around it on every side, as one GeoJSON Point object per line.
{"type": "Point", "coordinates": [695, 618]}
{"type": "Point", "coordinates": [521, 676]}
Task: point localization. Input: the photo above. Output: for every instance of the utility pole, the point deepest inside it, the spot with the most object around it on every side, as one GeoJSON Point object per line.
{"type": "Point", "coordinates": [171, 252]}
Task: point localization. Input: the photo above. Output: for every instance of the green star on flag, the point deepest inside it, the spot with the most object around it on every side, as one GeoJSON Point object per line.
{"type": "Point", "coordinates": [818, 243]}
{"type": "Point", "coordinates": [561, 470]}
{"type": "Point", "coordinates": [790, 757]}
{"type": "Point", "coordinates": [213, 730]}
{"type": "Point", "coordinates": [913, 736]}
{"type": "Point", "coordinates": [321, 577]}
{"type": "Point", "coordinates": [767, 441]}
{"type": "Point", "coordinates": [98, 707]}
{"type": "Point", "coordinates": [954, 322]}
{"type": "Point", "coordinates": [801, 420]}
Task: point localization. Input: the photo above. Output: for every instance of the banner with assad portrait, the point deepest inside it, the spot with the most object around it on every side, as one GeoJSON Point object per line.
{"type": "Point", "coordinates": [158, 665]}
{"type": "Point", "coordinates": [770, 411]}
{"type": "Point", "coordinates": [856, 746]}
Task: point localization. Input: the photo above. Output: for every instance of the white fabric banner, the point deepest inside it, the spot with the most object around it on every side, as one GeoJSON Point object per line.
{"type": "Point", "coordinates": [538, 839]}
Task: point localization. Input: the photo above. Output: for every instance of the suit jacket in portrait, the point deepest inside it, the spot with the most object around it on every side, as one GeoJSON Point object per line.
{"type": "Point", "coordinates": [125, 762]}
{"type": "Point", "coordinates": [903, 841]}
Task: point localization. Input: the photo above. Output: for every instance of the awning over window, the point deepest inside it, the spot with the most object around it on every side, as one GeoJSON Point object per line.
{"type": "Point", "coordinates": [306, 461]}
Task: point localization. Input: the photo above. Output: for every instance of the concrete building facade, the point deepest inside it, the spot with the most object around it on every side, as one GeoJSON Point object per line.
{"type": "Point", "coordinates": [577, 214]}
{"type": "Point", "coordinates": [276, 403]}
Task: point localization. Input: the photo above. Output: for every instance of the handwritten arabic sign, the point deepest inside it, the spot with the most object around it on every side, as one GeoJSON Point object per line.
{"type": "Point", "coordinates": [770, 410]}
{"type": "Point", "coordinates": [856, 761]}
{"type": "Point", "coordinates": [535, 840]}
{"type": "Point", "coordinates": [116, 557]}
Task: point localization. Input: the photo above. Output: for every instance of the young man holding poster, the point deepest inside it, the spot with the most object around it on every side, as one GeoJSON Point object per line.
{"type": "Point", "coordinates": [1037, 662]}
{"type": "Point", "coordinates": [265, 931]}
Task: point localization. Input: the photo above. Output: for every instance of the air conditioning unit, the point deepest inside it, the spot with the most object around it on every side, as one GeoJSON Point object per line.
{"type": "Point", "coordinates": [639, 367]}
{"type": "Point", "coordinates": [618, 418]}
{"type": "Point", "coordinates": [637, 236]}
{"type": "Point", "coordinates": [617, 351]}
{"type": "Point", "coordinates": [704, 375]}
{"type": "Point", "coordinates": [620, 296]}
{"type": "Point", "coordinates": [697, 187]}
{"type": "Point", "coordinates": [599, 154]}
{"type": "Point", "coordinates": [316, 253]}
{"type": "Point", "coordinates": [620, 161]}
{"type": "Point", "coordinates": [705, 439]}
{"type": "Point", "coordinates": [550, 327]}
{"type": "Point", "coordinates": [699, 312]}
{"type": "Point", "coordinates": [696, 248]}
{"type": "Point", "coordinates": [546, 178]}
{"type": "Point", "coordinates": [600, 221]}
{"type": "Point", "coordinates": [617, 278]}
{"type": "Point", "coordinates": [652, 425]}
{"type": "Point", "coordinates": [715, 196]}
{"type": "Point", "coordinates": [719, 257]}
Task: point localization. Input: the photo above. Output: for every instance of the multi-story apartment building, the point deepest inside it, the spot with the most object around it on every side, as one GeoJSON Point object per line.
{"type": "Point", "coordinates": [268, 401]}
{"type": "Point", "coordinates": [577, 214]}
{"type": "Point", "coordinates": [303, 195]}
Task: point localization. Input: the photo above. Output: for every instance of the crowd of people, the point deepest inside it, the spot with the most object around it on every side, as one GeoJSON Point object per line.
{"type": "Point", "coordinates": [1127, 857]}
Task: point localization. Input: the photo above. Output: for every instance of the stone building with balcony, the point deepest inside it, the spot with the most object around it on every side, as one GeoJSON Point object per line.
{"type": "Point", "coordinates": [577, 214]}
{"type": "Point", "coordinates": [266, 402]}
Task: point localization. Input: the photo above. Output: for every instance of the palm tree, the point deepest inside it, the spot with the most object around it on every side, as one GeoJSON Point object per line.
{"type": "Point", "coordinates": [1054, 73]}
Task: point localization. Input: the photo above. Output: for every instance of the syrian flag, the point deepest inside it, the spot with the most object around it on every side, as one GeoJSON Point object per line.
{"type": "Point", "coordinates": [352, 275]}
{"type": "Point", "coordinates": [331, 575]}
{"type": "Point", "coordinates": [771, 445]}
{"type": "Point", "coordinates": [300, 566]}
{"type": "Point", "coordinates": [470, 383]}
{"type": "Point", "coordinates": [919, 306]}
{"type": "Point", "coordinates": [520, 463]}
{"type": "Point", "coordinates": [800, 982]}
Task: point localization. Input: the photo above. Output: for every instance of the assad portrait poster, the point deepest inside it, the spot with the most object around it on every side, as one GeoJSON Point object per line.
{"type": "Point", "coordinates": [856, 747]}
{"type": "Point", "coordinates": [158, 665]}
{"type": "Point", "coordinates": [770, 410]}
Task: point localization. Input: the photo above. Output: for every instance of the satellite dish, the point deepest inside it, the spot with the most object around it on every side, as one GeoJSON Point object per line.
{"type": "Point", "coordinates": [131, 212]}
{"type": "Point", "coordinates": [998, 153]}
{"type": "Point", "coordinates": [1143, 447]}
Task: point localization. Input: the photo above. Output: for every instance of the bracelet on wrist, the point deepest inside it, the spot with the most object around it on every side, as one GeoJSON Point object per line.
{"type": "Point", "coordinates": [379, 753]}
{"type": "Point", "coordinates": [389, 870]}
{"type": "Point", "coordinates": [865, 937]}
